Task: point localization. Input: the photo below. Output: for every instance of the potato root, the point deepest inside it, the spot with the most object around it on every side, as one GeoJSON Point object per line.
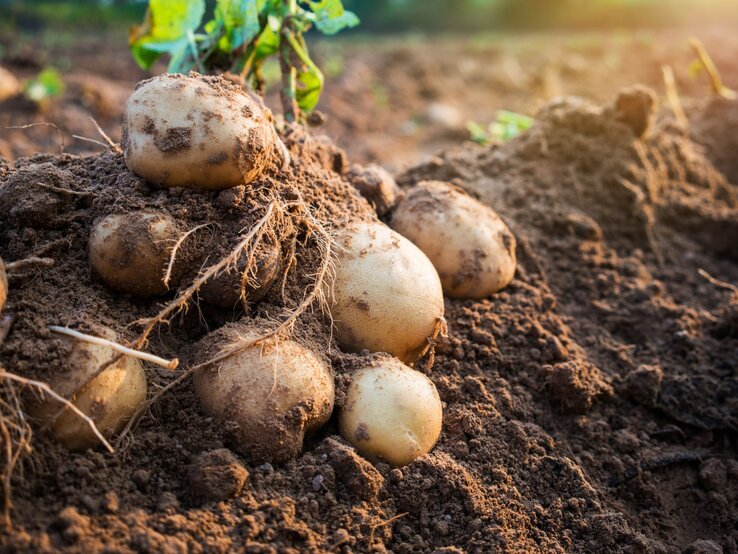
{"type": "Point", "coordinates": [275, 393]}
{"type": "Point", "coordinates": [197, 132]}
{"type": "Point", "coordinates": [470, 246]}
{"type": "Point", "coordinates": [110, 399]}
{"type": "Point", "coordinates": [3, 285]}
{"type": "Point", "coordinates": [386, 295]}
{"type": "Point", "coordinates": [130, 252]}
{"type": "Point", "coordinates": [224, 290]}
{"type": "Point", "coordinates": [392, 413]}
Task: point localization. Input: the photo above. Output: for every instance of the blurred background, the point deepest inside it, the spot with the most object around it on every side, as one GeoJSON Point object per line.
{"type": "Point", "coordinates": [413, 77]}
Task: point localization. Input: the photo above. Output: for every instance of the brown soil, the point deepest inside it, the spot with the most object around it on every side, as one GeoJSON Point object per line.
{"type": "Point", "coordinates": [591, 406]}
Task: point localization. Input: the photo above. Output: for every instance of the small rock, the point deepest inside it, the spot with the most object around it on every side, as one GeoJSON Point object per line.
{"type": "Point", "coordinates": [216, 475]}
{"type": "Point", "coordinates": [376, 185]}
{"type": "Point", "coordinates": [317, 483]}
{"type": "Point", "coordinates": [141, 478]}
{"type": "Point", "coordinates": [644, 384]}
{"type": "Point", "coordinates": [352, 471]}
{"type": "Point", "coordinates": [713, 474]}
{"type": "Point", "coordinates": [167, 502]}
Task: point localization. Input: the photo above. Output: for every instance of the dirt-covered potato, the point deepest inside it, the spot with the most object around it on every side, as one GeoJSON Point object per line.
{"type": "Point", "coordinates": [224, 290]}
{"type": "Point", "coordinates": [3, 285]}
{"type": "Point", "coordinates": [9, 84]}
{"type": "Point", "coordinates": [198, 132]}
{"type": "Point", "coordinates": [386, 295]}
{"type": "Point", "coordinates": [130, 252]}
{"type": "Point", "coordinates": [109, 400]}
{"type": "Point", "coordinates": [470, 246]}
{"type": "Point", "coordinates": [275, 393]}
{"type": "Point", "coordinates": [391, 412]}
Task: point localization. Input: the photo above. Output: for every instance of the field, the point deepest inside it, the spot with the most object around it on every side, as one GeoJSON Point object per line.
{"type": "Point", "coordinates": [590, 406]}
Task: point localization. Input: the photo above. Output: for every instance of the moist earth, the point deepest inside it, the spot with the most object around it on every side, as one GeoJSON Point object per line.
{"type": "Point", "coordinates": [591, 406]}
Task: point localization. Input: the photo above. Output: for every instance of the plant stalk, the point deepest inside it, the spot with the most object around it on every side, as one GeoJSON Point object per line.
{"type": "Point", "coordinates": [288, 93]}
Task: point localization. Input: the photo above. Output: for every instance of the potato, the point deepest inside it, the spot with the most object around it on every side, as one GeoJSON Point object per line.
{"type": "Point", "coordinates": [386, 295]}
{"type": "Point", "coordinates": [130, 252]}
{"type": "Point", "coordinates": [9, 85]}
{"type": "Point", "coordinates": [197, 132]}
{"type": "Point", "coordinates": [275, 395]}
{"type": "Point", "coordinates": [3, 285]}
{"type": "Point", "coordinates": [224, 290]}
{"type": "Point", "coordinates": [109, 400]}
{"type": "Point", "coordinates": [470, 246]}
{"type": "Point", "coordinates": [392, 413]}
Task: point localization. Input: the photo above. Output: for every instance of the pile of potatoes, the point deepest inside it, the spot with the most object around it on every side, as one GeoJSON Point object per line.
{"type": "Point", "coordinates": [387, 294]}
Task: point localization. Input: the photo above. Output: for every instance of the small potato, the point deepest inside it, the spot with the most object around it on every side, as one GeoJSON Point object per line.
{"type": "Point", "coordinates": [386, 295]}
{"type": "Point", "coordinates": [224, 290]}
{"type": "Point", "coordinates": [275, 394]}
{"type": "Point", "coordinates": [130, 252]}
{"type": "Point", "coordinates": [109, 400]}
{"type": "Point", "coordinates": [391, 413]}
{"type": "Point", "coordinates": [197, 132]}
{"type": "Point", "coordinates": [3, 285]}
{"type": "Point", "coordinates": [9, 85]}
{"type": "Point", "coordinates": [470, 246]}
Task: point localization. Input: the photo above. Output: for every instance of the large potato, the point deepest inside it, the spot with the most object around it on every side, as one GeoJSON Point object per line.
{"type": "Point", "coordinates": [470, 246]}
{"type": "Point", "coordinates": [130, 252]}
{"type": "Point", "coordinates": [109, 400]}
{"type": "Point", "coordinates": [195, 131]}
{"type": "Point", "coordinates": [386, 295]}
{"type": "Point", "coordinates": [275, 394]}
{"type": "Point", "coordinates": [391, 412]}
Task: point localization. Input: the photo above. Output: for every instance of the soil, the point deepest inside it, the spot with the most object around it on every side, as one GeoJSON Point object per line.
{"type": "Point", "coordinates": [591, 406]}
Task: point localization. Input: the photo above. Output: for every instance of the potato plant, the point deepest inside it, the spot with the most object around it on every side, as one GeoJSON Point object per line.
{"type": "Point", "coordinates": [239, 38]}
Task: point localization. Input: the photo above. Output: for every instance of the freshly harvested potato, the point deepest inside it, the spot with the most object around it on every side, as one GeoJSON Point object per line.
{"type": "Point", "coordinates": [392, 413]}
{"type": "Point", "coordinates": [3, 285]}
{"type": "Point", "coordinates": [470, 246]}
{"type": "Point", "coordinates": [109, 400]}
{"type": "Point", "coordinates": [275, 393]}
{"type": "Point", "coordinates": [386, 295]}
{"type": "Point", "coordinates": [130, 252]}
{"type": "Point", "coordinates": [9, 85]}
{"type": "Point", "coordinates": [224, 290]}
{"type": "Point", "coordinates": [197, 132]}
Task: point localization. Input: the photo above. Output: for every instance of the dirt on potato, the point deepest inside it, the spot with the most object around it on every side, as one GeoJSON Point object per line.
{"type": "Point", "coordinates": [591, 406]}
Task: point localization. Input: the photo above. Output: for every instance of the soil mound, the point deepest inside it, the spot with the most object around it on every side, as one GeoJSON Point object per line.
{"type": "Point", "coordinates": [591, 406]}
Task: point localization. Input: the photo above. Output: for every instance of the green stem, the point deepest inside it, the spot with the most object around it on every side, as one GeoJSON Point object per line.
{"type": "Point", "coordinates": [289, 73]}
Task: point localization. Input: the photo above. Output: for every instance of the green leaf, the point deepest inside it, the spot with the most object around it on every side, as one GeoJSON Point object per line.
{"type": "Point", "coordinates": [240, 20]}
{"type": "Point", "coordinates": [47, 84]}
{"type": "Point", "coordinates": [509, 124]}
{"type": "Point", "coordinates": [165, 30]}
{"type": "Point", "coordinates": [477, 133]}
{"type": "Point", "coordinates": [309, 87]}
{"type": "Point", "coordinates": [331, 17]}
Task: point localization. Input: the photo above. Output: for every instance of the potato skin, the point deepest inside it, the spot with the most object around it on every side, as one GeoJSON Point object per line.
{"type": "Point", "coordinates": [130, 252]}
{"type": "Point", "coordinates": [3, 285]}
{"type": "Point", "coordinates": [391, 413]}
{"type": "Point", "coordinates": [386, 295]}
{"type": "Point", "coordinates": [275, 396]}
{"type": "Point", "coordinates": [470, 246]}
{"type": "Point", "coordinates": [109, 400]}
{"type": "Point", "coordinates": [196, 132]}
